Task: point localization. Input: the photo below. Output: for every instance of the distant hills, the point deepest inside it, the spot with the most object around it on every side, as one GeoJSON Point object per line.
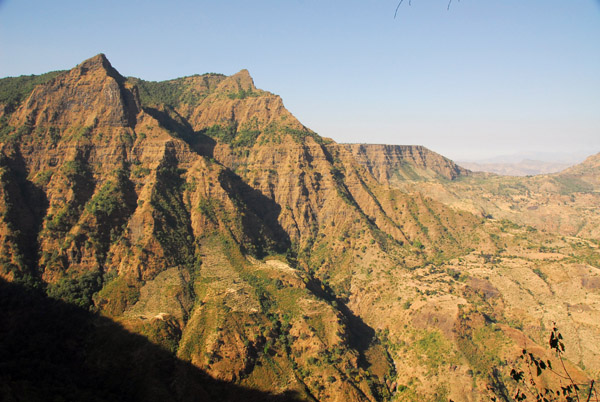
{"type": "Point", "coordinates": [525, 164]}
{"type": "Point", "coordinates": [522, 168]}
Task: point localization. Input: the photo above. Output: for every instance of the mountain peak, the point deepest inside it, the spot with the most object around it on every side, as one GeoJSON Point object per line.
{"type": "Point", "coordinates": [240, 81]}
{"type": "Point", "coordinates": [99, 63]}
{"type": "Point", "coordinates": [89, 94]}
{"type": "Point", "coordinates": [99, 58]}
{"type": "Point", "coordinates": [244, 75]}
{"type": "Point", "coordinates": [243, 72]}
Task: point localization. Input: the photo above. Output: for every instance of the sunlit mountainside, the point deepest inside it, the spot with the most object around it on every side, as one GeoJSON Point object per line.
{"type": "Point", "coordinates": [196, 228]}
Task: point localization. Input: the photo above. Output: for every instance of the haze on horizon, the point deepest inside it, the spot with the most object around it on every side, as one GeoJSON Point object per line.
{"type": "Point", "coordinates": [479, 80]}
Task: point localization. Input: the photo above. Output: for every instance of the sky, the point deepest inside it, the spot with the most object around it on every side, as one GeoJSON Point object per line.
{"type": "Point", "coordinates": [479, 79]}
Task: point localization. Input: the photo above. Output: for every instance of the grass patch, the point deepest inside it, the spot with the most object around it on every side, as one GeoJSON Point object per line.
{"type": "Point", "coordinates": [434, 350]}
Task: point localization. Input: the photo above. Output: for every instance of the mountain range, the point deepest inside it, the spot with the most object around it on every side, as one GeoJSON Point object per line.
{"type": "Point", "coordinates": [526, 167]}
{"type": "Point", "coordinates": [192, 240]}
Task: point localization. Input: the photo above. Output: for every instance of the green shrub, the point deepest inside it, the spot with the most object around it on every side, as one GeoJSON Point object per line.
{"type": "Point", "coordinates": [14, 90]}
{"type": "Point", "coordinates": [171, 93]}
{"type": "Point", "coordinates": [79, 290]}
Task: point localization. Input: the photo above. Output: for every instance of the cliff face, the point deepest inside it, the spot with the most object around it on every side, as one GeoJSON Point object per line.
{"type": "Point", "coordinates": [201, 214]}
{"type": "Point", "coordinates": [393, 163]}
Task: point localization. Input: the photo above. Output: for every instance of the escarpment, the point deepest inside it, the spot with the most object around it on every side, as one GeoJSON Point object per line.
{"type": "Point", "coordinates": [404, 162]}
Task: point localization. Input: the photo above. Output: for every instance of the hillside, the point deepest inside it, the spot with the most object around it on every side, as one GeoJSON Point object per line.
{"type": "Point", "coordinates": [565, 203]}
{"type": "Point", "coordinates": [238, 244]}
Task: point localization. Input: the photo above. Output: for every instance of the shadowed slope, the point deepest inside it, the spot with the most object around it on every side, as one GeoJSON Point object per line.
{"type": "Point", "coordinates": [51, 350]}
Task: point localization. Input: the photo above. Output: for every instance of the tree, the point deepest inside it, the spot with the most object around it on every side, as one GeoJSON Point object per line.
{"type": "Point", "coordinates": [529, 386]}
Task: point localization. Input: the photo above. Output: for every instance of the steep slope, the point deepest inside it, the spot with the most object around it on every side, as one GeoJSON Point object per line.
{"type": "Point", "coordinates": [201, 214]}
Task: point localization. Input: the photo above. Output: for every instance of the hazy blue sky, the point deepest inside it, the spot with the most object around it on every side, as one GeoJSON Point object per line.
{"type": "Point", "coordinates": [486, 77]}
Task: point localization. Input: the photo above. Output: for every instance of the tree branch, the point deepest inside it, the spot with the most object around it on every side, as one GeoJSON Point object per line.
{"type": "Point", "coordinates": [410, 3]}
{"type": "Point", "coordinates": [591, 389]}
{"type": "Point", "coordinates": [397, 7]}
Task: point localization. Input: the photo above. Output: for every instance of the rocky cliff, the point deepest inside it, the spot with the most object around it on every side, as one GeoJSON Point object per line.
{"type": "Point", "coordinates": [392, 163]}
{"type": "Point", "coordinates": [202, 215]}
